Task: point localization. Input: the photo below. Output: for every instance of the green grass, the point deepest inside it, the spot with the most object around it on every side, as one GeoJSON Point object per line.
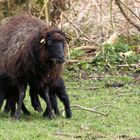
{"type": "Point", "coordinates": [122, 122]}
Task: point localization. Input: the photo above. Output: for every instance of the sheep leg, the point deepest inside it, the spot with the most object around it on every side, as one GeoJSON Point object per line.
{"type": "Point", "coordinates": [25, 110]}
{"type": "Point", "coordinates": [54, 103]}
{"type": "Point", "coordinates": [22, 90]}
{"type": "Point", "coordinates": [7, 106]}
{"type": "Point", "coordinates": [61, 93]}
{"type": "Point", "coordinates": [12, 106]}
{"type": "Point", "coordinates": [35, 100]}
{"type": "Point", "coordinates": [48, 112]}
{"type": "Point", "coordinates": [1, 99]}
{"type": "Point", "coordinates": [65, 100]}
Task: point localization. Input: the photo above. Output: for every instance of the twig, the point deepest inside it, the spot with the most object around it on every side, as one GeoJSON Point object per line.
{"type": "Point", "coordinates": [46, 12]}
{"type": "Point", "coordinates": [130, 10]}
{"type": "Point", "coordinates": [101, 21]}
{"type": "Point", "coordinates": [136, 10]}
{"type": "Point", "coordinates": [93, 48]}
{"type": "Point", "coordinates": [129, 65]}
{"type": "Point", "coordinates": [122, 116]}
{"type": "Point", "coordinates": [79, 30]}
{"type": "Point", "coordinates": [87, 109]}
{"type": "Point", "coordinates": [95, 3]}
{"type": "Point", "coordinates": [71, 61]}
{"type": "Point", "coordinates": [43, 8]}
{"type": "Point", "coordinates": [125, 15]}
{"type": "Point", "coordinates": [83, 88]}
{"type": "Point", "coordinates": [112, 22]}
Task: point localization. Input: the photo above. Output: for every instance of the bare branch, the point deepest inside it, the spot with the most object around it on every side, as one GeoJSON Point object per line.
{"type": "Point", "coordinates": [130, 10]}
{"type": "Point", "coordinates": [79, 30]}
{"type": "Point", "coordinates": [83, 88]}
{"type": "Point", "coordinates": [78, 107]}
{"type": "Point", "coordinates": [125, 15]}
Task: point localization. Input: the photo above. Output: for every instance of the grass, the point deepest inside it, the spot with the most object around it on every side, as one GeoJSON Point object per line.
{"type": "Point", "coordinates": [122, 122]}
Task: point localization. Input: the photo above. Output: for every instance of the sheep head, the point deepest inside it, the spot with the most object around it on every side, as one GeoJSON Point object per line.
{"type": "Point", "coordinates": [54, 42]}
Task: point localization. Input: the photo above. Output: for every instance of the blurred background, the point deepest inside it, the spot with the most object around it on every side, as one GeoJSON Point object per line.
{"type": "Point", "coordinates": [94, 28]}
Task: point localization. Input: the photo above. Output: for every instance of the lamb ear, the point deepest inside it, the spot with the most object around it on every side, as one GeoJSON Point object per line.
{"type": "Point", "coordinates": [43, 41]}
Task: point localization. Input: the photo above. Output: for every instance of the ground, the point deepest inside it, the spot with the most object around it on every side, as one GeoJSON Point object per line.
{"type": "Point", "coordinates": [121, 104]}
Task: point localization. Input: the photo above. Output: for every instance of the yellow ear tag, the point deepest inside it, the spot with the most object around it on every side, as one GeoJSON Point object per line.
{"type": "Point", "coordinates": [42, 41]}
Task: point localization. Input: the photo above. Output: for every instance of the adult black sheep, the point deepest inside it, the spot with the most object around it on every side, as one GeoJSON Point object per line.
{"type": "Point", "coordinates": [29, 51]}
{"type": "Point", "coordinates": [55, 90]}
{"type": "Point", "coordinates": [9, 92]}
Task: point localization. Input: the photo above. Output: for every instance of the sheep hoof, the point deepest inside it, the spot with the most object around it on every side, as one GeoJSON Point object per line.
{"type": "Point", "coordinates": [16, 116]}
{"type": "Point", "coordinates": [68, 114]}
{"type": "Point", "coordinates": [39, 109]}
{"type": "Point", "coordinates": [57, 112]}
{"type": "Point", "coordinates": [6, 110]}
{"type": "Point", "coordinates": [50, 116]}
{"type": "Point", "coordinates": [12, 114]}
{"type": "Point", "coordinates": [27, 113]}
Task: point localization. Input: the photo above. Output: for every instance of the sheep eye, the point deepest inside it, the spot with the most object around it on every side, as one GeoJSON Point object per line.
{"type": "Point", "coordinates": [49, 42]}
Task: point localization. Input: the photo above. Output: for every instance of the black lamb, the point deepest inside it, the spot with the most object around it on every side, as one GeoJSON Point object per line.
{"type": "Point", "coordinates": [55, 90]}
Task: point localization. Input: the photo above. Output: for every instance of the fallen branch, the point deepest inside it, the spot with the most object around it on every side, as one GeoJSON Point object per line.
{"type": "Point", "coordinates": [86, 48]}
{"type": "Point", "coordinates": [96, 77]}
{"type": "Point", "coordinates": [72, 61]}
{"type": "Point", "coordinates": [83, 88]}
{"type": "Point", "coordinates": [67, 62]}
{"type": "Point", "coordinates": [129, 65]}
{"type": "Point", "coordinates": [77, 107]}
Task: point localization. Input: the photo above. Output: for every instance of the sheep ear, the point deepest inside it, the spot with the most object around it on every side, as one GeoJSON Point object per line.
{"type": "Point", "coordinates": [43, 41]}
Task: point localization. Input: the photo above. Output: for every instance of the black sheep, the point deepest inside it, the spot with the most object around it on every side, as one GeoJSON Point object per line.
{"type": "Point", "coordinates": [55, 90]}
{"type": "Point", "coordinates": [31, 50]}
